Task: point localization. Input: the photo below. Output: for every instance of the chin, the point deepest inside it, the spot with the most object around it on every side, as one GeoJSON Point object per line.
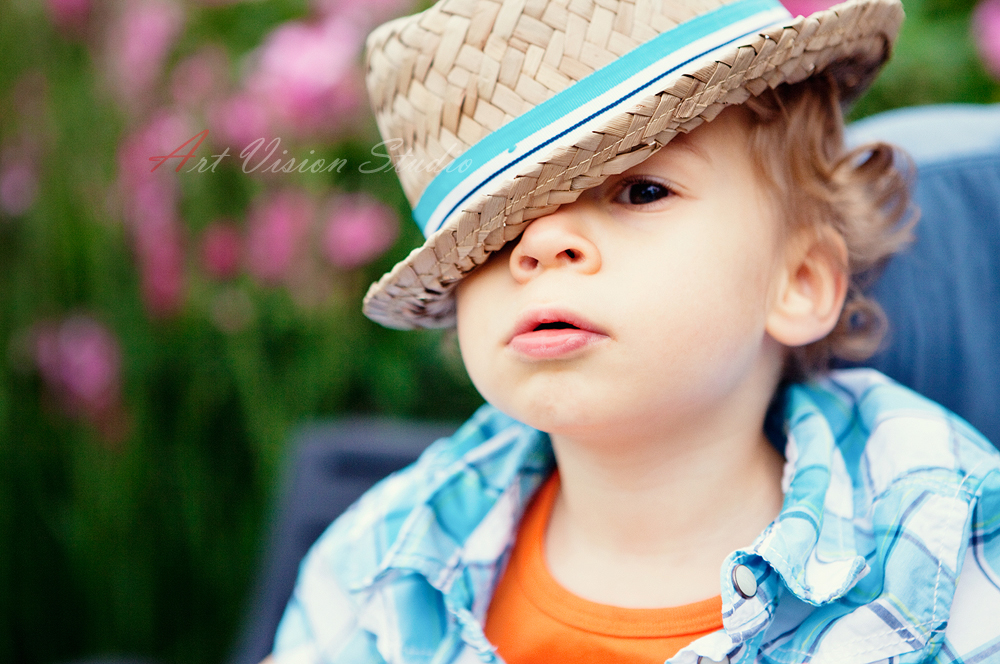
{"type": "Point", "coordinates": [556, 400]}
{"type": "Point", "coordinates": [556, 414]}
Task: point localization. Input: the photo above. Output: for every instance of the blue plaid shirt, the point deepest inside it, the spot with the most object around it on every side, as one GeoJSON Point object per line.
{"type": "Point", "coordinates": [886, 548]}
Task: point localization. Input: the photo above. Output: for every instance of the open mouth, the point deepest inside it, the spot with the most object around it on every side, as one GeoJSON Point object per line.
{"type": "Point", "coordinates": [553, 334]}
{"type": "Point", "coordinates": [552, 321]}
{"type": "Point", "coordinates": [558, 325]}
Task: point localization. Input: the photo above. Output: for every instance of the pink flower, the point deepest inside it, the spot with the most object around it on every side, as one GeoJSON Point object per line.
{"type": "Point", "coordinates": [150, 210]}
{"type": "Point", "coordinates": [156, 233]}
{"type": "Point", "coordinates": [80, 361]}
{"type": "Point", "coordinates": [277, 230]}
{"type": "Point", "coordinates": [307, 75]}
{"type": "Point", "coordinates": [70, 16]}
{"type": "Point", "coordinates": [358, 230]}
{"type": "Point", "coordinates": [986, 30]}
{"type": "Point", "coordinates": [161, 136]}
{"type": "Point", "coordinates": [18, 186]}
{"type": "Point", "coordinates": [162, 276]}
{"type": "Point", "coordinates": [199, 77]}
{"type": "Point", "coordinates": [807, 7]}
{"type": "Point", "coordinates": [142, 39]}
{"type": "Point", "coordinates": [239, 120]}
{"type": "Point", "coordinates": [220, 249]}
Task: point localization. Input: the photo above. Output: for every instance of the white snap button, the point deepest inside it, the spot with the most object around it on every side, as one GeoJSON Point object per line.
{"type": "Point", "coordinates": [706, 660]}
{"type": "Point", "coordinates": [744, 581]}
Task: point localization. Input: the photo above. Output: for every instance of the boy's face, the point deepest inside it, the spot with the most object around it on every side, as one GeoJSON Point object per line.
{"type": "Point", "coordinates": [652, 292]}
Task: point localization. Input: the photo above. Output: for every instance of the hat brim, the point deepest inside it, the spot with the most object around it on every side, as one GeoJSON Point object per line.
{"type": "Point", "coordinates": [851, 41]}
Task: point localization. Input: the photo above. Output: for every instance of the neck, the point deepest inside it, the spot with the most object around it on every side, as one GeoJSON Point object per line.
{"type": "Point", "coordinates": [645, 519]}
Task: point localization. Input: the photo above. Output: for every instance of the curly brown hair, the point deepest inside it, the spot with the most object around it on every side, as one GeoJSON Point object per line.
{"type": "Point", "coordinates": [862, 194]}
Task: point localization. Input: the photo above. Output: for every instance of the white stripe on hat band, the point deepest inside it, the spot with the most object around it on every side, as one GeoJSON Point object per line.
{"type": "Point", "coordinates": [571, 114]}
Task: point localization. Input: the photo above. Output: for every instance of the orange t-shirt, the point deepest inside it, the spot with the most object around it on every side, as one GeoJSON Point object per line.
{"type": "Point", "coordinates": [534, 620]}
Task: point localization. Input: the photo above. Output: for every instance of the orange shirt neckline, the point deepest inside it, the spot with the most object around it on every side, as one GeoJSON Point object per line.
{"type": "Point", "coordinates": [552, 599]}
{"type": "Point", "coordinates": [534, 620]}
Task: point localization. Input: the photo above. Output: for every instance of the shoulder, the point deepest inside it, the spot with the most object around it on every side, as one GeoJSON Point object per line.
{"type": "Point", "coordinates": [891, 434]}
{"type": "Point", "coordinates": [357, 543]}
{"type": "Point", "coordinates": [916, 490]}
{"type": "Point", "coordinates": [412, 525]}
{"type": "Point", "coordinates": [906, 462]}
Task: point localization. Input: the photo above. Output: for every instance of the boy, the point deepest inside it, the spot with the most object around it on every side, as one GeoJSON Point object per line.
{"type": "Point", "coordinates": [639, 260]}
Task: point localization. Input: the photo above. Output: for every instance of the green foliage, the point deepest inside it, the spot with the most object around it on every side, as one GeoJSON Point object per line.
{"type": "Point", "coordinates": [935, 61]}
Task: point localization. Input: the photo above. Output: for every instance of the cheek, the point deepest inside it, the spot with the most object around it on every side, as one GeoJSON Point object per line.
{"type": "Point", "coordinates": [749, 246]}
{"type": "Point", "coordinates": [477, 289]}
{"type": "Point", "coordinates": [477, 300]}
{"type": "Point", "coordinates": [710, 303]}
{"type": "Point", "coordinates": [469, 321]}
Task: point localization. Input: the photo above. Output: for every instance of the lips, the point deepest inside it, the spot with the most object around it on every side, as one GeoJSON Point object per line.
{"type": "Point", "coordinates": [553, 334]}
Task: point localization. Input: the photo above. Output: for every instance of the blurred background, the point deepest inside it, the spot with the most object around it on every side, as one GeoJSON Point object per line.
{"type": "Point", "coordinates": [165, 325]}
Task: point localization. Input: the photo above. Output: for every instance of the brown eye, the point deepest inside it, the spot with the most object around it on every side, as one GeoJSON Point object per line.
{"type": "Point", "coordinates": [642, 193]}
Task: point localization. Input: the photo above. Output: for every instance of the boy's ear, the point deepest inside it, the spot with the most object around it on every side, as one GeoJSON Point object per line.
{"type": "Point", "coordinates": [811, 289]}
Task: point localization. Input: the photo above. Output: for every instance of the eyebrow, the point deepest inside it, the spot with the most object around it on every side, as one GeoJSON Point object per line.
{"type": "Point", "coordinates": [684, 142]}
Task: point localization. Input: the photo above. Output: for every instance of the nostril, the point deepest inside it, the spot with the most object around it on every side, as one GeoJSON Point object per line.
{"type": "Point", "coordinates": [528, 263]}
{"type": "Point", "coordinates": [571, 254]}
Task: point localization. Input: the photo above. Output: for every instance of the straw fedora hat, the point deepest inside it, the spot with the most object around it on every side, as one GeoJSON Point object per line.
{"type": "Point", "coordinates": [495, 112]}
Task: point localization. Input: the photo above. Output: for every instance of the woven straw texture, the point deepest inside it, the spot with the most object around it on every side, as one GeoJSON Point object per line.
{"type": "Point", "coordinates": [441, 80]}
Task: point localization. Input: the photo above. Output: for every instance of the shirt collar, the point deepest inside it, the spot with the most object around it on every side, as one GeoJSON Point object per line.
{"type": "Point", "coordinates": [812, 544]}
{"type": "Point", "coordinates": [490, 470]}
{"type": "Point", "coordinates": [466, 516]}
{"type": "Point", "coordinates": [869, 464]}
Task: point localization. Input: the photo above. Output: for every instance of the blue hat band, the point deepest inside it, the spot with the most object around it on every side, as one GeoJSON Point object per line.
{"type": "Point", "coordinates": [603, 94]}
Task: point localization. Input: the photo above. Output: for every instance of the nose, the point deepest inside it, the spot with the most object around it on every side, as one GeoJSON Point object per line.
{"type": "Point", "coordinates": [556, 240]}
